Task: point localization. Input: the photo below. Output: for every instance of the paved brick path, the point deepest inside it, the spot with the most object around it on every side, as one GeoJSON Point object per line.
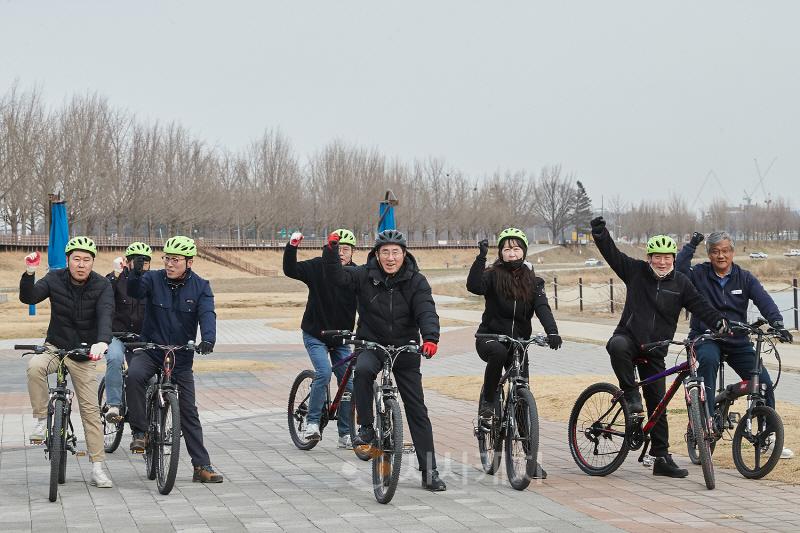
{"type": "Point", "coordinates": [272, 486]}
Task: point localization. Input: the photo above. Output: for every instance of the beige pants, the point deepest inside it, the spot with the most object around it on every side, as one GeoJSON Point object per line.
{"type": "Point", "coordinates": [84, 381]}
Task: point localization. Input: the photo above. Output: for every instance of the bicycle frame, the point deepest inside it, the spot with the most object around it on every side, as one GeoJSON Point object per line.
{"type": "Point", "coordinates": [350, 361]}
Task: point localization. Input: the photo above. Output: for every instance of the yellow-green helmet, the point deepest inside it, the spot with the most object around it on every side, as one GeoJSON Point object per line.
{"type": "Point", "coordinates": [346, 237]}
{"type": "Point", "coordinates": [661, 244]}
{"type": "Point", "coordinates": [180, 245]}
{"type": "Point", "coordinates": [84, 244]}
{"type": "Point", "coordinates": [139, 248]}
{"type": "Point", "coordinates": [512, 233]}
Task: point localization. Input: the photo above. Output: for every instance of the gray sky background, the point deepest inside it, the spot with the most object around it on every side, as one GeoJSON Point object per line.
{"type": "Point", "coordinates": [636, 98]}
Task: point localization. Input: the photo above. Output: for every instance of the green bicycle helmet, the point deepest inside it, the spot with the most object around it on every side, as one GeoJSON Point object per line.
{"type": "Point", "coordinates": [346, 237]}
{"type": "Point", "coordinates": [661, 244]}
{"type": "Point", "coordinates": [84, 244]}
{"type": "Point", "coordinates": [139, 248]}
{"type": "Point", "coordinates": [180, 245]}
{"type": "Point", "coordinates": [512, 233]}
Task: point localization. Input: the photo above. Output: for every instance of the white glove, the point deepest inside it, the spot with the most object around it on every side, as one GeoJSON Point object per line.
{"type": "Point", "coordinates": [295, 239]}
{"type": "Point", "coordinates": [118, 264]}
{"type": "Point", "coordinates": [97, 351]}
{"type": "Point", "coordinates": [32, 262]}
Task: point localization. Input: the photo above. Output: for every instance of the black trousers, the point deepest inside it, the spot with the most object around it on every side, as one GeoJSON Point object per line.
{"type": "Point", "coordinates": [498, 357]}
{"type": "Point", "coordinates": [408, 378]}
{"type": "Point", "coordinates": [623, 350]}
{"type": "Point", "coordinates": [140, 371]}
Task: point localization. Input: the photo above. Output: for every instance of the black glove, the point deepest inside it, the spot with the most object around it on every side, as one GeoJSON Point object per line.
{"type": "Point", "coordinates": [696, 239]}
{"type": "Point", "coordinates": [483, 246]}
{"type": "Point", "coordinates": [205, 347]}
{"type": "Point", "coordinates": [782, 331]}
{"type": "Point", "coordinates": [721, 327]}
{"type": "Point", "coordinates": [138, 265]}
{"type": "Point", "coordinates": [554, 341]}
{"type": "Point", "coordinates": [598, 225]}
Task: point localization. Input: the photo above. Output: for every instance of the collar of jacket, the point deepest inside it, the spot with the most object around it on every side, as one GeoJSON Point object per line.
{"type": "Point", "coordinates": [377, 275]}
{"type": "Point", "coordinates": [178, 282]}
{"type": "Point", "coordinates": [712, 274]}
{"type": "Point", "coordinates": [655, 276]}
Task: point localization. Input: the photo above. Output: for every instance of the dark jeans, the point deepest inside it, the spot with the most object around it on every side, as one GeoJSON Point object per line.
{"type": "Point", "coordinates": [741, 358]}
{"type": "Point", "coordinates": [409, 382]}
{"type": "Point", "coordinates": [140, 371]}
{"type": "Point", "coordinates": [623, 350]}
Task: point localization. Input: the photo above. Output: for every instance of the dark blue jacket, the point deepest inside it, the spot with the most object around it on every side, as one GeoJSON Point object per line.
{"type": "Point", "coordinates": [173, 311]}
{"type": "Point", "coordinates": [731, 300]}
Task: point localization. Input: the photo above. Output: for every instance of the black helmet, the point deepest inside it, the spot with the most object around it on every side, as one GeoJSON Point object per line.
{"type": "Point", "coordinates": [390, 236]}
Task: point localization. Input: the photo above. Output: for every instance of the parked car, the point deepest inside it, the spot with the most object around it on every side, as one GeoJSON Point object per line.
{"type": "Point", "coordinates": [792, 253]}
{"type": "Point", "coordinates": [592, 262]}
{"type": "Point", "coordinates": [758, 255]}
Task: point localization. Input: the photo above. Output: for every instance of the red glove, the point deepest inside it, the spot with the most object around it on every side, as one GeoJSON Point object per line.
{"type": "Point", "coordinates": [295, 239]}
{"type": "Point", "coordinates": [32, 262]}
{"type": "Point", "coordinates": [333, 238]}
{"type": "Point", "coordinates": [429, 349]}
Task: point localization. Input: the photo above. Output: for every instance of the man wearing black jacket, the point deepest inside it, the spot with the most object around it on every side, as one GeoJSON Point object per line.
{"type": "Point", "coordinates": [328, 308]}
{"type": "Point", "coordinates": [655, 295]}
{"type": "Point", "coordinates": [395, 306]}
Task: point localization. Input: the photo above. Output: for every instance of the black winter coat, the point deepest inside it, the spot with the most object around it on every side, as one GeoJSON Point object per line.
{"type": "Point", "coordinates": [128, 311]}
{"type": "Point", "coordinates": [329, 306]}
{"type": "Point", "coordinates": [78, 313]}
{"type": "Point", "coordinates": [652, 305]}
{"type": "Point", "coordinates": [508, 317]}
{"type": "Point", "coordinates": [392, 310]}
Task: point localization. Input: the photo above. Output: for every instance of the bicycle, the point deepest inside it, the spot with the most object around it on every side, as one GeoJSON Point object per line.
{"type": "Point", "coordinates": [112, 431]}
{"type": "Point", "coordinates": [60, 436]}
{"type": "Point", "coordinates": [769, 434]}
{"type": "Point", "coordinates": [300, 394]}
{"type": "Point", "coordinates": [515, 420]}
{"type": "Point", "coordinates": [608, 430]}
{"type": "Point", "coordinates": [163, 435]}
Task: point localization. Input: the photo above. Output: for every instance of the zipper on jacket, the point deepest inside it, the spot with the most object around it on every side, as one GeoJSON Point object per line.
{"type": "Point", "coordinates": [391, 312]}
{"type": "Point", "coordinates": [655, 309]}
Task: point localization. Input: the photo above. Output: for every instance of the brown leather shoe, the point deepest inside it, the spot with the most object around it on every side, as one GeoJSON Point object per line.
{"type": "Point", "coordinates": [138, 444]}
{"type": "Point", "coordinates": [206, 474]}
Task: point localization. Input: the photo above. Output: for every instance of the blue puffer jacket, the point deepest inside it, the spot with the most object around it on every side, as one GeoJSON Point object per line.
{"type": "Point", "coordinates": [731, 300]}
{"type": "Point", "coordinates": [174, 310]}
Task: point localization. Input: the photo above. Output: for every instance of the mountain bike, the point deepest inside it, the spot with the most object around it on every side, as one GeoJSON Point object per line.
{"type": "Point", "coordinates": [515, 420]}
{"type": "Point", "coordinates": [112, 431]}
{"type": "Point", "coordinates": [162, 410]}
{"type": "Point", "coordinates": [300, 395]}
{"type": "Point", "coordinates": [60, 436]}
{"type": "Point", "coordinates": [757, 441]}
{"type": "Point", "coordinates": [602, 429]}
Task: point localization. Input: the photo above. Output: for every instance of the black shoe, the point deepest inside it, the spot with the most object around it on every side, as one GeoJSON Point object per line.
{"type": "Point", "coordinates": [665, 466]}
{"type": "Point", "coordinates": [541, 473]}
{"type": "Point", "coordinates": [634, 401]}
{"type": "Point", "coordinates": [365, 437]}
{"type": "Point", "coordinates": [138, 443]}
{"type": "Point", "coordinates": [432, 482]}
{"type": "Point", "coordinates": [486, 409]}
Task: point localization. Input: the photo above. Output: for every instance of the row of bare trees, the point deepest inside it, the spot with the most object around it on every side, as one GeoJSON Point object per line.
{"type": "Point", "coordinates": [120, 175]}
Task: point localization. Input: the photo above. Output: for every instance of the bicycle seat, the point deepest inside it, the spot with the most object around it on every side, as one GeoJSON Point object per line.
{"type": "Point", "coordinates": [640, 360]}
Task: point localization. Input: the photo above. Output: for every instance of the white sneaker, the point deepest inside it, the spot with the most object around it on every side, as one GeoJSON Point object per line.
{"type": "Point", "coordinates": [99, 477]}
{"type": "Point", "coordinates": [345, 442]}
{"type": "Point", "coordinates": [39, 431]}
{"type": "Point", "coordinates": [312, 432]}
{"type": "Point", "coordinates": [787, 453]}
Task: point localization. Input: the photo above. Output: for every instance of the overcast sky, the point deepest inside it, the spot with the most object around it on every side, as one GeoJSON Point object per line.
{"type": "Point", "coordinates": [636, 98]}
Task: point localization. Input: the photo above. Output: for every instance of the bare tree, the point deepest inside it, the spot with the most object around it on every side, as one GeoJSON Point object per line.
{"type": "Point", "coordinates": [553, 201]}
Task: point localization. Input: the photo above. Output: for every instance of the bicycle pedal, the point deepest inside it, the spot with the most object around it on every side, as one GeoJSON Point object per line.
{"type": "Point", "coordinates": [733, 419]}
{"type": "Point", "coordinates": [408, 448]}
{"type": "Point", "coordinates": [80, 453]}
{"type": "Point", "coordinates": [36, 442]}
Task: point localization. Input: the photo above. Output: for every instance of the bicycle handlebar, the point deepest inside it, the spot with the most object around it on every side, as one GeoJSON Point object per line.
{"type": "Point", "coordinates": [191, 346]}
{"type": "Point", "coordinates": [35, 348]}
{"type": "Point", "coordinates": [685, 342]}
{"type": "Point", "coordinates": [336, 332]}
{"type": "Point", "coordinates": [539, 339]}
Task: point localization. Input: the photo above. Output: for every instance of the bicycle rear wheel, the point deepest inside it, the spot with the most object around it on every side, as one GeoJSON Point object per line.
{"type": "Point", "coordinates": [112, 432]}
{"type": "Point", "coordinates": [151, 451]}
{"type": "Point", "coordinates": [598, 424]}
{"type": "Point", "coordinates": [168, 440]}
{"type": "Point", "coordinates": [522, 440]}
{"type": "Point", "coordinates": [386, 466]}
{"type": "Point", "coordinates": [297, 411]}
{"type": "Point", "coordinates": [490, 435]}
{"type": "Point", "coordinates": [57, 440]}
{"type": "Point", "coordinates": [758, 442]}
{"type": "Point", "coordinates": [700, 428]}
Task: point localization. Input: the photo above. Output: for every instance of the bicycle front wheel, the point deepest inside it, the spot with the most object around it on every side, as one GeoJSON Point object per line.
{"type": "Point", "coordinates": [490, 435]}
{"type": "Point", "coordinates": [522, 440]}
{"type": "Point", "coordinates": [57, 440]}
{"type": "Point", "coordinates": [112, 432]}
{"type": "Point", "coordinates": [168, 440]}
{"type": "Point", "coordinates": [758, 442]}
{"type": "Point", "coordinates": [598, 436]}
{"type": "Point", "coordinates": [151, 451]}
{"type": "Point", "coordinates": [700, 429]}
{"type": "Point", "coordinates": [386, 465]}
{"type": "Point", "coordinates": [299, 397]}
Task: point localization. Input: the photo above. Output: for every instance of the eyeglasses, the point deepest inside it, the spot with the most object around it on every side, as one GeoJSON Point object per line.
{"type": "Point", "coordinates": [390, 253]}
{"type": "Point", "coordinates": [172, 260]}
{"type": "Point", "coordinates": [718, 251]}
